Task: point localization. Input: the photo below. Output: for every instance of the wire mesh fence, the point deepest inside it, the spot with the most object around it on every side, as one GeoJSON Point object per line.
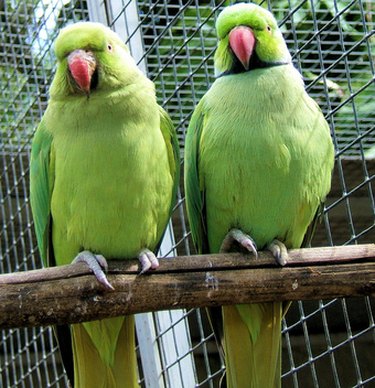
{"type": "Point", "coordinates": [326, 343]}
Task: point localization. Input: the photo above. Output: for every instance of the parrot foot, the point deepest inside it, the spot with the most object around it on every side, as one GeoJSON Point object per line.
{"type": "Point", "coordinates": [95, 263]}
{"type": "Point", "coordinates": [279, 251]}
{"type": "Point", "coordinates": [237, 235]}
{"type": "Point", "coordinates": [148, 260]}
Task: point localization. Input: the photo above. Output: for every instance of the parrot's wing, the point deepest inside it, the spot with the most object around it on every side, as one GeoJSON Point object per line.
{"type": "Point", "coordinates": [195, 194]}
{"type": "Point", "coordinates": [41, 184]}
{"type": "Point", "coordinates": [170, 137]}
{"type": "Point", "coordinates": [195, 205]}
{"type": "Point", "coordinates": [171, 141]}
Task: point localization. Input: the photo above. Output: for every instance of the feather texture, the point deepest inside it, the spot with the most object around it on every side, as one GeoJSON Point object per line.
{"type": "Point", "coordinates": [104, 176]}
{"type": "Point", "coordinates": [258, 157]}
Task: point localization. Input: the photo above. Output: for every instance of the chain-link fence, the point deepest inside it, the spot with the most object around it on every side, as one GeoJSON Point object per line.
{"type": "Point", "coordinates": [328, 343]}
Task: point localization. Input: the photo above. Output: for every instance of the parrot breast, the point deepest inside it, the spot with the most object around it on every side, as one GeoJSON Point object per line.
{"type": "Point", "coordinates": [113, 186]}
{"type": "Point", "coordinates": [266, 156]}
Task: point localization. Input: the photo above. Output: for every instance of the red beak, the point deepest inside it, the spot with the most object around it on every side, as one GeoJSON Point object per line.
{"type": "Point", "coordinates": [82, 65]}
{"type": "Point", "coordinates": [242, 42]}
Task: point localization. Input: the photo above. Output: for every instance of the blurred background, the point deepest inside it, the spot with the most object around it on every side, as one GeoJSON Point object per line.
{"type": "Point", "coordinates": [327, 343]}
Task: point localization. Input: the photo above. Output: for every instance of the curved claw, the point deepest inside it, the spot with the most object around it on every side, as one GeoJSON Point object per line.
{"type": "Point", "coordinates": [95, 263]}
{"type": "Point", "coordinates": [279, 252]}
{"type": "Point", "coordinates": [148, 260]}
{"type": "Point", "coordinates": [237, 235]}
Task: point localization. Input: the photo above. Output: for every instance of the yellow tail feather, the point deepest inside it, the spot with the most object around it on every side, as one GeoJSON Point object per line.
{"type": "Point", "coordinates": [93, 369]}
{"type": "Point", "coordinates": [252, 341]}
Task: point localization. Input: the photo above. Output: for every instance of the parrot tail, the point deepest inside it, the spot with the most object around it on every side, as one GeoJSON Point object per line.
{"type": "Point", "coordinates": [252, 342]}
{"type": "Point", "coordinates": [104, 353]}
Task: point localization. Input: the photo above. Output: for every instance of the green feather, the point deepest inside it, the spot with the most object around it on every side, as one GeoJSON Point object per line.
{"type": "Point", "coordinates": [194, 187]}
{"type": "Point", "coordinates": [171, 141]}
{"type": "Point", "coordinates": [104, 177]}
{"type": "Point", "coordinates": [258, 157]}
{"type": "Point", "coordinates": [41, 185]}
{"type": "Point", "coordinates": [287, 142]}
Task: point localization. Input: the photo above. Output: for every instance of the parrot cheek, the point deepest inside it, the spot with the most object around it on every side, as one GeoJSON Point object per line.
{"type": "Point", "coordinates": [242, 42]}
{"type": "Point", "coordinates": [82, 66]}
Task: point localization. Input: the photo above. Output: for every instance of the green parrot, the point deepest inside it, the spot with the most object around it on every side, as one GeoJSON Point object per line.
{"type": "Point", "coordinates": [103, 181]}
{"type": "Point", "coordinates": [258, 165]}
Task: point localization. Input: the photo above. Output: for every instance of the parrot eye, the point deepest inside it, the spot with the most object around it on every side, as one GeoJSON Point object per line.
{"type": "Point", "coordinates": [109, 47]}
{"type": "Point", "coordinates": [268, 28]}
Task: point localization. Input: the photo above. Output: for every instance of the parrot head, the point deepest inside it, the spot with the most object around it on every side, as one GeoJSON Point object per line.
{"type": "Point", "coordinates": [249, 38]}
{"type": "Point", "coordinates": [90, 58]}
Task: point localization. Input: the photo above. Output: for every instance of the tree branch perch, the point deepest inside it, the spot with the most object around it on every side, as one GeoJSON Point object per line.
{"type": "Point", "coordinates": [71, 294]}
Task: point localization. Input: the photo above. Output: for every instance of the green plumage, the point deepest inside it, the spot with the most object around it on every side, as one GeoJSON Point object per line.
{"type": "Point", "coordinates": [104, 174]}
{"type": "Point", "coordinates": [258, 157]}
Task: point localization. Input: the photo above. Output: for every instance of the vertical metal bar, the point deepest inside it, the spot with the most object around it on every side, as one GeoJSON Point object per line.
{"type": "Point", "coordinates": [128, 27]}
{"type": "Point", "coordinates": [203, 341]}
{"type": "Point", "coordinates": [98, 11]}
{"type": "Point", "coordinates": [329, 345]}
{"type": "Point", "coordinates": [352, 345]}
{"type": "Point", "coordinates": [175, 340]}
{"type": "Point", "coordinates": [290, 353]}
{"type": "Point", "coordinates": [148, 347]}
{"type": "Point", "coordinates": [308, 345]}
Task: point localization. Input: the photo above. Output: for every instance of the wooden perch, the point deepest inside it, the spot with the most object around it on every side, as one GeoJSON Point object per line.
{"type": "Point", "coordinates": [70, 294]}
